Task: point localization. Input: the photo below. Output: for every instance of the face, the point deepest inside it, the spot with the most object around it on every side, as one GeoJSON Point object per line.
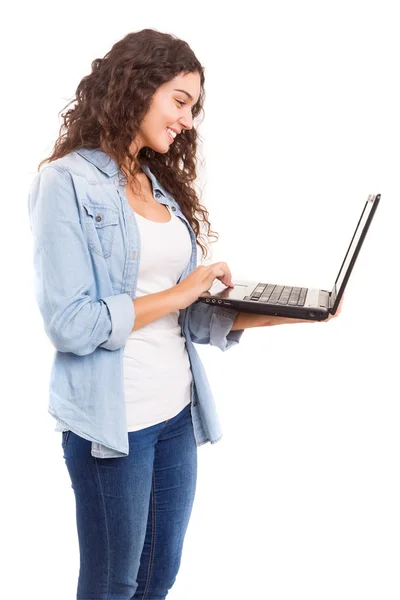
{"type": "Point", "coordinates": [171, 107]}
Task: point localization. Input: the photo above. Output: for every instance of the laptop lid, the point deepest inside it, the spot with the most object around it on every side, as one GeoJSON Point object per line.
{"type": "Point", "coordinates": [353, 250]}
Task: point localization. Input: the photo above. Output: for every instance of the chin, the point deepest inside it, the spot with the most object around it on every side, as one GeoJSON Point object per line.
{"type": "Point", "coordinates": [160, 148]}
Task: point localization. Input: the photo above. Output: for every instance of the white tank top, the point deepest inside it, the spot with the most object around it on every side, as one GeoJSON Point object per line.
{"type": "Point", "coordinates": [157, 374]}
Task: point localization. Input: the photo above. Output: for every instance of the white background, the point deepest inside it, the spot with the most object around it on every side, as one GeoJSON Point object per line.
{"type": "Point", "coordinates": [300, 498]}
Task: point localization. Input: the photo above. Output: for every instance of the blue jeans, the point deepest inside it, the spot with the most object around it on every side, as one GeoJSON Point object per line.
{"type": "Point", "coordinates": [132, 512]}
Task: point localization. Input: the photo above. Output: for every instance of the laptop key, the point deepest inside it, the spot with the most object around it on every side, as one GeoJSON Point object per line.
{"type": "Point", "coordinates": [267, 292]}
{"type": "Point", "coordinates": [284, 297]}
{"type": "Point", "coordinates": [275, 295]}
{"type": "Point", "coordinates": [302, 297]}
{"type": "Point", "coordinates": [258, 291]}
{"type": "Point", "coordinates": [294, 296]}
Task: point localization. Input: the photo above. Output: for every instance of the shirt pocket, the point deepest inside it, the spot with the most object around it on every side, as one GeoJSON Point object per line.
{"type": "Point", "coordinates": [101, 222]}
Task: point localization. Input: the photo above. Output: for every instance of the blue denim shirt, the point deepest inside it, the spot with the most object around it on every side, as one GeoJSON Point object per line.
{"type": "Point", "coordinates": [86, 254]}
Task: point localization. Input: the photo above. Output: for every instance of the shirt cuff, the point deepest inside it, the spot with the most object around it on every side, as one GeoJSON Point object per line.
{"type": "Point", "coordinates": [220, 328]}
{"type": "Point", "coordinates": [122, 314]}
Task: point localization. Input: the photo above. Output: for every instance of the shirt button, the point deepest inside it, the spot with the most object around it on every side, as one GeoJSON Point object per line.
{"type": "Point", "coordinates": [98, 218]}
{"type": "Point", "coordinates": [173, 208]}
{"type": "Point", "coordinates": [158, 195]}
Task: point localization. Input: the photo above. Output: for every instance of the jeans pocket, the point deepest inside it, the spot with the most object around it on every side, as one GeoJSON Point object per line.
{"type": "Point", "coordinates": [65, 436]}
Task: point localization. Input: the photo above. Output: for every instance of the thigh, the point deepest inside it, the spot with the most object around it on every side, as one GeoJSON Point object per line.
{"type": "Point", "coordinates": [112, 503]}
{"type": "Point", "coordinates": [172, 495]}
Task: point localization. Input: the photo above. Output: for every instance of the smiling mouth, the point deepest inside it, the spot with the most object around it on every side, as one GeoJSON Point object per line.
{"type": "Point", "coordinates": [171, 137]}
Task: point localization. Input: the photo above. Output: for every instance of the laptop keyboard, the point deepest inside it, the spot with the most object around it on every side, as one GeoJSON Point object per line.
{"type": "Point", "coordinates": [270, 293]}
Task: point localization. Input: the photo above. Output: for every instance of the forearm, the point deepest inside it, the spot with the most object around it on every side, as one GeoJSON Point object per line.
{"type": "Point", "coordinates": [246, 320]}
{"type": "Point", "coordinates": [151, 307]}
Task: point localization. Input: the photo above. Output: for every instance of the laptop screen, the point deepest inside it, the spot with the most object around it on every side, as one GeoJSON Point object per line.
{"type": "Point", "coordinates": [355, 245]}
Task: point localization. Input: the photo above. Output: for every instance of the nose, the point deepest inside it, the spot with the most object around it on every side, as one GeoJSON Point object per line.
{"type": "Point", "coordinates": [187, 122]}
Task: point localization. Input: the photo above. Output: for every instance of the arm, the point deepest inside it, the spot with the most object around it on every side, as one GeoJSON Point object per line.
{"type": "Point", "coordinates": [73, 320]}
{"type": "Point", "coordinates": [246, 320]}
{"type": "Point", "coordinates": [213, 325]}
{"type": "Point", "coordinates": [154, 306]}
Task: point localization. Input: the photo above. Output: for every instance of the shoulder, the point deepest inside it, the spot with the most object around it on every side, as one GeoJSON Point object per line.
{"type": "Point", "coordinates": [73, 165]}
{"type": "Point", "coordinates": [68, 175]}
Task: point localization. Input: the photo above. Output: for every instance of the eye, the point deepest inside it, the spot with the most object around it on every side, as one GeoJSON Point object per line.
{"type": "Point", "coordinates": [184, 104]}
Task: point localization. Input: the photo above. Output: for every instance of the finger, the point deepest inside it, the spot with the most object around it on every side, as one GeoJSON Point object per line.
{"type": "Point", "coordinates": [223, 274]}
{"type": "Point", "coordinates": [218, 272]}
{"type": "Point", "coordinates": [227, 279]}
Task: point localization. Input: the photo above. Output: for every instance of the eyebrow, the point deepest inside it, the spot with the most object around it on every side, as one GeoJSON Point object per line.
{"type": "Point", "coordinates": [185, 92]}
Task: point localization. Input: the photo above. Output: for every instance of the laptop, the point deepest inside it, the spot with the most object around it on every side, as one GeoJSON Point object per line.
{"type": "Point", "coordinates": [295, 301]}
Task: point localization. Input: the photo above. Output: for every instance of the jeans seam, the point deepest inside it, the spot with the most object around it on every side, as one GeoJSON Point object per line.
{"type": "Point", "coordinates": [153, 538]}
{"type": "Point", "coordinates": [107, 532]}
{"type": "Point", "coordinates": [66, 436]}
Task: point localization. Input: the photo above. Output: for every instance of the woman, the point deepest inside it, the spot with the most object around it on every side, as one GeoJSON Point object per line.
{"type": "Point", "coordinates": [114, 215]}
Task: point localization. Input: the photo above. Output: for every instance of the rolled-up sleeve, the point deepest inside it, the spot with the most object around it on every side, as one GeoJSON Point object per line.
{"type": "Point", "coordinates": [63, 274]}
{"type": "Point", "coordinates": [212, 325]}
{"type": "Point", "coordinates": [122, 315]}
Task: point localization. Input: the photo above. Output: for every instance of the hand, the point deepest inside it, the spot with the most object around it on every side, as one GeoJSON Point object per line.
{"type": "Point", "coordinates": [292, 321]}
{"type": "Point", "coordinates": [337, 313]}
{"type": "Point", "coordinates": [199, 281]}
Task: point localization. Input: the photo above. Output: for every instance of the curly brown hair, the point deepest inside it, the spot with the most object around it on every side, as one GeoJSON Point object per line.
{"type": "Point", "coordinates": [111, 102]}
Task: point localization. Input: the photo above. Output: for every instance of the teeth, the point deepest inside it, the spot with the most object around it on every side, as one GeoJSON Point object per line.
{"type": "Point", "coordinates": [171, 132]}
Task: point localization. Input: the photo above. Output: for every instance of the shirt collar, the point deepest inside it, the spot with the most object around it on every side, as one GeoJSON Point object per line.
{"type": "Point", "coordinates": [107, 165]}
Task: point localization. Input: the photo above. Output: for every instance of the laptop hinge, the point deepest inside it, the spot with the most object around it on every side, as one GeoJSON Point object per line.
{"type": "Point", "coordinates": [332, 297]}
